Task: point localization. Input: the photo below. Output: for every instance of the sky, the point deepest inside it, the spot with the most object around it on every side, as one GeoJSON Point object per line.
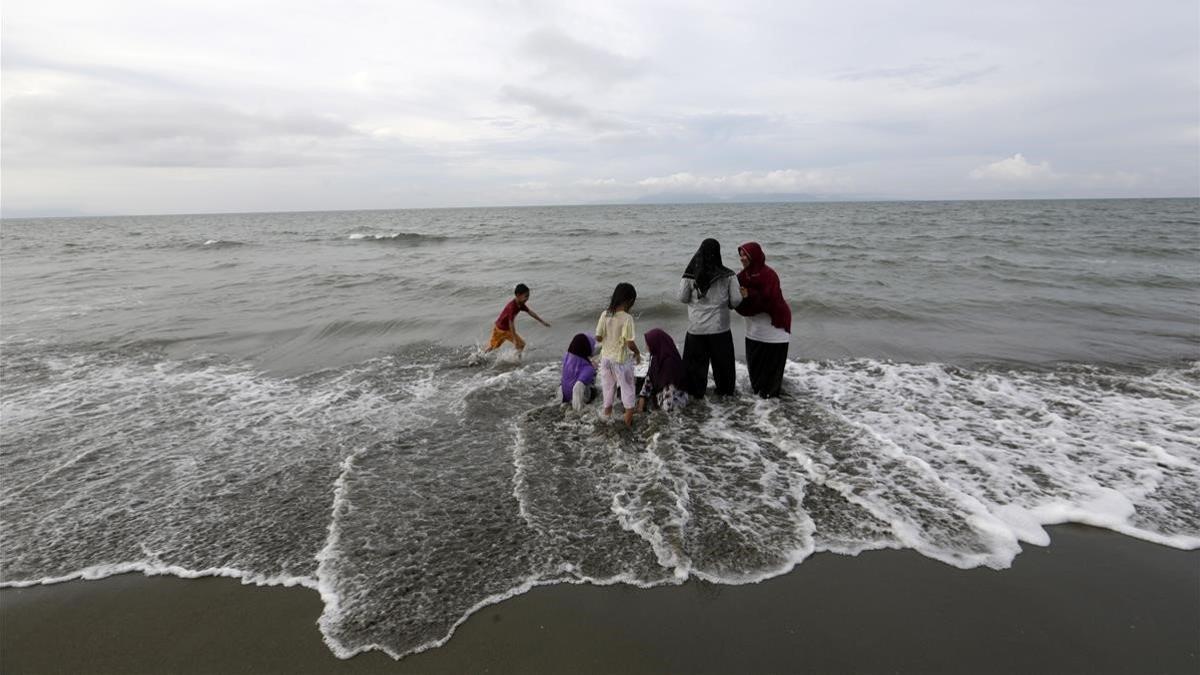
{"type": "Point", "coordinates": [174, 106]}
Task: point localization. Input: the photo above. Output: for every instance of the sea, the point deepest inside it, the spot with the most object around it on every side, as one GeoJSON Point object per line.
{"type": "Point", "coordinates": [302, 399]}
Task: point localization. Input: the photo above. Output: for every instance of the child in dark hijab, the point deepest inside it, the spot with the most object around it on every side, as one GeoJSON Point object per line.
{"type": "Point", "coordinates": [665, 385]}
{"type": "Point", "coordinates": [578, 373]}
{"type": "Point", "coordinates": [710, 290]}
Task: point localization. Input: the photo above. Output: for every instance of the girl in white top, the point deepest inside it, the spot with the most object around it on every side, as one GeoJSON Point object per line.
{"type": "Point", "coordinates": [616, 334]}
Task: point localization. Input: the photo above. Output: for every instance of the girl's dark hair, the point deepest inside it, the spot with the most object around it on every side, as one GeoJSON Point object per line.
{"type": "Point", "coordinates": [623, 294]}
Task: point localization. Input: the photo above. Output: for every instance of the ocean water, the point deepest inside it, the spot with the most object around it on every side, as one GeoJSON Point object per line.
{"type": "Point", "coordinates": [298, 398]}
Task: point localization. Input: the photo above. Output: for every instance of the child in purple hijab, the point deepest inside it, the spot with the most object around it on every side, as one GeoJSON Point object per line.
{"type": "Point", "coordinates": [666, 379]}
{"type": "Point", "coordinates": [578, 373]}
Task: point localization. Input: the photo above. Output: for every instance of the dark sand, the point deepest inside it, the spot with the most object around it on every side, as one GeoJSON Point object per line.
{"type": "Point", "coordinates": [1091, 602]}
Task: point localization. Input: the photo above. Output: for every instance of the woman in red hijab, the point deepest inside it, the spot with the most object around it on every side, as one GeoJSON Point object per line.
{"type": "Point", "coordinates": [768, 321]}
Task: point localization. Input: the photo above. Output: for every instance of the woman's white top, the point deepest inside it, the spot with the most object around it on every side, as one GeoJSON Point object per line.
{"type": "Point", "coordinates": [759, 329]}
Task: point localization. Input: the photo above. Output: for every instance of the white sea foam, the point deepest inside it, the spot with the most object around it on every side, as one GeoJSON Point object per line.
{"type": "Point", "coordinates": [1035, 448]}
{"type": "Point", "coordinates": [389, 486]}
{"type": "Point", "coordinates": [652, 502]}
{"type": "Point", "coordinates": [154, 569]}
{"type": "Point", "coordinates": [215, 467]}
{"type": "Point", "coordinates": [393, 236]}
{"type": "Point", "coordinates": [327, 561]}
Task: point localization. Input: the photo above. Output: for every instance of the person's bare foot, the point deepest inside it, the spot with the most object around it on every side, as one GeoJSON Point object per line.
{"type": "Point", "coordinates": [629, 418]}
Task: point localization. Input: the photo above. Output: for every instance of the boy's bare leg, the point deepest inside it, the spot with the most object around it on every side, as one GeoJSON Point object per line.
{"type": "Point", "coordinates": [629, 417]}
{"type": "Point", "coordinates": [608, 411]}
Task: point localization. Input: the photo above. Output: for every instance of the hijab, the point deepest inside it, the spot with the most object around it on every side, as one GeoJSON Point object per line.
{"type": "Point", "coordinates": [576, 366]}
{"type": "Point", "coordinates": [666, 367]}
{"type": "Point", "coordinates": [582, 345]}
{"type": "Point", "coordinates": [763, 284]}
{"type": "Point", "coordinates": [705, 266]}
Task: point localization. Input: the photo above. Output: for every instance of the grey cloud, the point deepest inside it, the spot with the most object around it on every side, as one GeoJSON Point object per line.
{"type": "Point", "coordinates": [557, 107]}
{"type": "Point", "coordinates": [899, 127]}
{"type": "Point", "coordinates": [727, 126]}
{"type": "Point", "coordinates": [929, 75]}
{"type": "Point", "coordinates": [16, 60]}
{"type": "Point", "coordinates": [562, 55]}
{"type": "Point", "coordinates": [46, 130]}
{"type": "Point", "coordinates": [915, 70]}
{"type": "Point", "coordinates": [545, 104]}
{"type": "Point", "coordinates": [961, 77]}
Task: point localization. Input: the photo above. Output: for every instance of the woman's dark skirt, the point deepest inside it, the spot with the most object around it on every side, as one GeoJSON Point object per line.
{"type": "Point", "coordinates": [766, 361]}
{"type": "Point", "coordinates": [699, 351]}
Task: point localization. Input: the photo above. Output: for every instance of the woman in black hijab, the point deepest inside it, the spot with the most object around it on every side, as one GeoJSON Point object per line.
{"type": "Point", "coordinates": [710, 290]}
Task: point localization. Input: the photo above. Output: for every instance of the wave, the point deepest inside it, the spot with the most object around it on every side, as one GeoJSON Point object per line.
{"type": "Point", "coordinates": [663, 311]}
{"type": "Point", "coordinates": [351, 329]}
{"type": "Point", "coordinates": [1155, 280]}
{"type": "Point", "coordinates": [858, 308]}
{"type": "Point", "coordinates": [413, 489]}
{"type": "Point", "coordinates": [219, 244]}
{"type": "Point", "coordinates": [409, 238]}
{"type": "Point", "coordinates": [68, 247]}
{"type": "Point", "coordinates": [351, 280]}
{"type": "Point", "coordinates": [645, 312]}
{"type": "Point", "coordinates": [152, 568]}
{"type": "Point", "coordinates": [588, 232]}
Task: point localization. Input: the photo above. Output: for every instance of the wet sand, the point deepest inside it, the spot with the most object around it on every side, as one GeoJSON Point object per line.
{"type": "Point", "coordinates": [1091, 602]}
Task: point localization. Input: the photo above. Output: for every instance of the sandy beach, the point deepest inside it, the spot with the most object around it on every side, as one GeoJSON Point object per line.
{"type": "Point", "coordinates": [1091, 602]}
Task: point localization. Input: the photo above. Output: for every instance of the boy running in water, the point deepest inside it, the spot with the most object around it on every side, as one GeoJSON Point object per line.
{"type": "Point", "coordinates": [505, 328]}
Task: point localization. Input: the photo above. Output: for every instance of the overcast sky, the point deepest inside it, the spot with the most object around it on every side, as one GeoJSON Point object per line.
{"type": "Point", "coordinates": [173, 106]}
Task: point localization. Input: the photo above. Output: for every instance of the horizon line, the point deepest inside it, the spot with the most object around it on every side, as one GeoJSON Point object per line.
{"type": "Point", "coordinates": [701, 202]}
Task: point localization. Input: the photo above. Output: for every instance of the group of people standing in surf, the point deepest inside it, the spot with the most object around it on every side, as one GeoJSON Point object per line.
{"type": "Point", "coordinates": [711, 292]}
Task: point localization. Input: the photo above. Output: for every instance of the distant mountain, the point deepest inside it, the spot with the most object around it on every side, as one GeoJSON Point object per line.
{"type": "Point", "coordinates": [692, 198]}
{"type": "Point", "coordinates": [18, 214]}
